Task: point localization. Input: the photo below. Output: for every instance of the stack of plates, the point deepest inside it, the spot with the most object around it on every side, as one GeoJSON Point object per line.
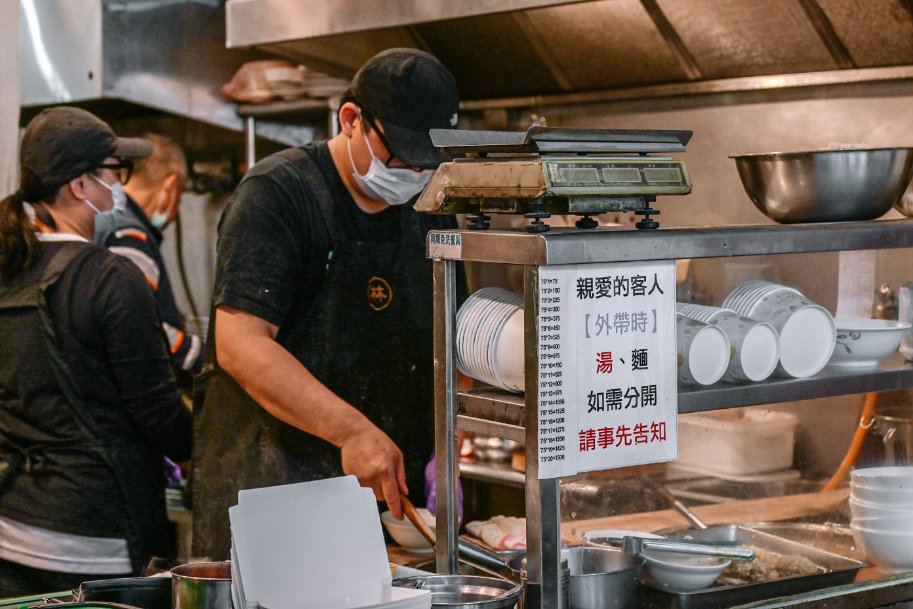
{"type": "Point", "coordinates": [489, 338]}
{"type": "Point", "coordinates": [313, 545]}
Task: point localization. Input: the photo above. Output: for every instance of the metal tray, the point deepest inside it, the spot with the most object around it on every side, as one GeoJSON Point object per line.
{"type": "Point", "coordinates": [550, 140]}
{"type": "Point", "coordinates": [834, 570]}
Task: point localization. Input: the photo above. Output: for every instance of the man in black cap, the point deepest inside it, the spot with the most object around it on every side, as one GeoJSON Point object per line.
{"type": "Point", "coordinates": [321, 363]}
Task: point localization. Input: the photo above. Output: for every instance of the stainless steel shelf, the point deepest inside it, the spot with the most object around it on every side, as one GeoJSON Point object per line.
{"type": "Point", "coordinates": [575, 246]}
{"type": "Point", "coordinates": [492, 410]}
{"type": "Point", "coordinates": [893, 373]}
{"type": "Point", "coordinates": [498, 473]}
{"type": "Point", "coordinates": [286, 110]}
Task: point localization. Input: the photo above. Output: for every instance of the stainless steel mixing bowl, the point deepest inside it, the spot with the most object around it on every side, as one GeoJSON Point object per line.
{"type": "Point", "coordinates": [826, 185]}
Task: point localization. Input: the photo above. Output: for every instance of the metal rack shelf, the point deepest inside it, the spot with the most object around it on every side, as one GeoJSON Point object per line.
{"type": "Point", "coordinates": [501, 413]}
{"type": "Point", "coordinates": [575, 246]}
{"type": "Point", "coordinates": [499, 473]}
{"type": "Point", "coordinates": [495, 412]}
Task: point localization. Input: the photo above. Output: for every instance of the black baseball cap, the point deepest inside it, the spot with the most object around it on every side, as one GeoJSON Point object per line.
{"type": "Point", "coordinates": [63, 142]}
{"type": "Point", "coordinates": [411, 92]}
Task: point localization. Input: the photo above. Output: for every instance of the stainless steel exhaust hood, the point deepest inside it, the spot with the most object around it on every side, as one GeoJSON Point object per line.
{"type": "Point", "coordinates": [513, 48]}
{"type": "Point", "coordinates": [166, 55]}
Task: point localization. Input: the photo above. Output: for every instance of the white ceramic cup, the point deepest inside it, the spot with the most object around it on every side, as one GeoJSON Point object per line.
{"type": "Point", "coordinates": [807, 331]}
{"type": "Point", "coordinates": [754, 345]}
{"type": "Point", "coordinates": [703, 351]}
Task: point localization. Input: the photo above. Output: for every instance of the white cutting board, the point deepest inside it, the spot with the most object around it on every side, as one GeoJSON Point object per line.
{"type": "Point", "coordinates": [293, 546]}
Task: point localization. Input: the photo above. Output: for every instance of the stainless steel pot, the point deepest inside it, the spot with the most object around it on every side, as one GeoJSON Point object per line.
{"type": "Point", "coordinates": [142, 592]}
{"type": "Point", "coordinates": [465, 591]}
{"type": "Point", "coordinates": [201, 585]}
{"type": "Point", "coordinates": [895, 429]}
{"type": "Point", "coordinates": [603, 578]}
{"type": "Point", "coordinates": [826, 185]}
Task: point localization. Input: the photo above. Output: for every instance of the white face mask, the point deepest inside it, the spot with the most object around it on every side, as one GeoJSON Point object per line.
{"type": "Point", "coordinates": [393, 185]}
{"type": "Point", "coordinates": [105, 221]}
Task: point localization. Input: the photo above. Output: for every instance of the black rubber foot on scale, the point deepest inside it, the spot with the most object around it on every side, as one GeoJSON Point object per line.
{"type": "Point", "coordinates": [537, 225]}
{"type": "Point", "coordinates": [586, 222]}
{"type": "Point", "coordinates": [647, 223]}
{"type": "Point", "coordinates": [478, 222]}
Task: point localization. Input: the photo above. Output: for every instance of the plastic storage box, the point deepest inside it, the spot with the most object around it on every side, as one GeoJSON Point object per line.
{"type": "Point", "coordinates": [737, 442]}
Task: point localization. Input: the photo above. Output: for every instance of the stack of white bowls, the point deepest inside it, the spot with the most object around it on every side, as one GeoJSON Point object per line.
{"type": "Point", "coordinates": [807, 330]}
{"type": "Point", "coordinates": [754, 346]}
{"type": "Point", "coordinates": [489, 338]}
{"type": "Point", "coordinates": [881, 505]}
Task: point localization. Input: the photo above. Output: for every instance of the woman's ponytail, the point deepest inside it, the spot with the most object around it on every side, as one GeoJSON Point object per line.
{"type": "Point", "coordinates": [17, 236]}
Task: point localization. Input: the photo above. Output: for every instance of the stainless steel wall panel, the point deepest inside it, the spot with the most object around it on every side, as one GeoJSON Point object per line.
{"type": "Point", "coordinates": [168, 55]}
{"type": "Point", "coordinates": [732, 38]}
{"type": "Point", "coordinates": [60, 49]}
{"type": "Point", "coordinates": [876, 32]}
{"type": "Point", "coordinates": [171, 56]}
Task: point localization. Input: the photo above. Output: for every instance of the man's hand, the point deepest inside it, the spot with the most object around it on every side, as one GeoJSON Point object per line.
{"type": "Point", "coordinates": [372, 457]}
{"type": "Point", "coordinates": [247, 349]}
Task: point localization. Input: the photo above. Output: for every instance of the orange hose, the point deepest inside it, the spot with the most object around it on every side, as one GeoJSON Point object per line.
{"type": "Point", "coordinates": [865, 423]}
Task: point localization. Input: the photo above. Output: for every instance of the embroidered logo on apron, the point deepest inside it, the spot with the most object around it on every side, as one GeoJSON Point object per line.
{"type": "Point", "coordinates": [380, 294]}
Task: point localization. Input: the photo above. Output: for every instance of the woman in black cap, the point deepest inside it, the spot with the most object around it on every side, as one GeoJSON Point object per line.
{"type": "Point", "coordinates": [88, 405]}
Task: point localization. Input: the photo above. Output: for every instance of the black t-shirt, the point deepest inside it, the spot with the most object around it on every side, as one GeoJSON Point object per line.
{"type": "Point", "coordinates": [274, 246]}
{"type": "Point", "coordinates": [107, 328]}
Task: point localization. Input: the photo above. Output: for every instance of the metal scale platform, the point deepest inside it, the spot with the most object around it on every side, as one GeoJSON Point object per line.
{"type": "Point", "coordinates": [545, 171]}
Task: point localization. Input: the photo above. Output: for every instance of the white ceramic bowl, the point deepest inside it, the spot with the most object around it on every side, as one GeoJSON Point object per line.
{"type": "Point", "coordinates": [683, 572]}
{"type": "Point", "coordinates": [862, 342]}
{"type": "Point", "coordinates": [864, 509]}
{"type": "Point", "coordinates": [885, 497]}
{"type": "Point", "coordinates": [404, 532]}
{"type": "Point", "coordinates": [900, 523]}
{"type": "Point", "coordinates": [894, 477]}
{"type": "Point", "coordinates": [887, 549]}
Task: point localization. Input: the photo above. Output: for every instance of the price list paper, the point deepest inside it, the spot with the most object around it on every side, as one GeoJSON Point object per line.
{"type": "Point", "coordinates": [608, 393]}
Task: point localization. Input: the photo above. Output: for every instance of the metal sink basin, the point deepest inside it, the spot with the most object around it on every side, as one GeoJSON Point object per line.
{"type": "Point", "coordinates": [714, 490]}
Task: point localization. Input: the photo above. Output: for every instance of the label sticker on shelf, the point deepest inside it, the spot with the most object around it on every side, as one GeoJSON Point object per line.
{"type": "Point", "coordinates": [607, 389]}
{"type": "Point", "coordinates": [445, 245]}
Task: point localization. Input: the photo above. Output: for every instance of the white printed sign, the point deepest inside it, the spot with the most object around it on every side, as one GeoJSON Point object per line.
{"type": "Point", "coordinates": [608, 395]}
{"type": "Point", "coordinates": [445, 245]}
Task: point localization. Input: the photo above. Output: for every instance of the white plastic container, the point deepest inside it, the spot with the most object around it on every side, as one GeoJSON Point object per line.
{"type": "Point", "coordinates": [737, 442]}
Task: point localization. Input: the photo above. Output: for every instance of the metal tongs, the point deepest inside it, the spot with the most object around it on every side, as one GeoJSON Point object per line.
{"type": "Point", "coordinates": [636, 545]}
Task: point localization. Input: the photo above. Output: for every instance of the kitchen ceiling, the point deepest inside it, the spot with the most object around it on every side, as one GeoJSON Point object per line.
{"type": "Point", "coordinates": [513, 48]}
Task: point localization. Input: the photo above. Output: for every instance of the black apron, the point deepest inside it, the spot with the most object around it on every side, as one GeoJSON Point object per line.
{"type": "Point", "coordinates": [369, 338]}
{"type": "Point", "coordinates": [140, 515]}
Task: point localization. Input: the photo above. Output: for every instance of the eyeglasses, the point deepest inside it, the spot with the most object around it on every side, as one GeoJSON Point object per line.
{"type": "Point", "coordinates": [124, 169]}
{"type": "Point", "coordinates": [385, 142]}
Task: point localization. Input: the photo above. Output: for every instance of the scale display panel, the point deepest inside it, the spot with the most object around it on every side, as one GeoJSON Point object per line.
{"type": "Point", "coordinates": [613, 176]}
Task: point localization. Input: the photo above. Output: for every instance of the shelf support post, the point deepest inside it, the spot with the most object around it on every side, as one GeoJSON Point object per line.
{"type": "Point", "coordinates": [445, 416]}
